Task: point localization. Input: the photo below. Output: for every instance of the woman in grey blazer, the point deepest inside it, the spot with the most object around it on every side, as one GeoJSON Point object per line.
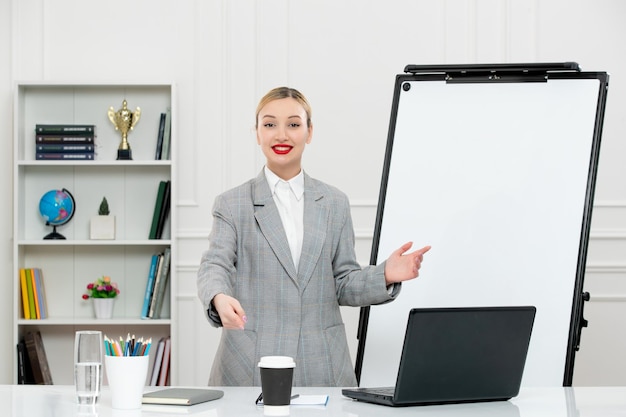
{"type": "Point", "coordinates": [277, 269]}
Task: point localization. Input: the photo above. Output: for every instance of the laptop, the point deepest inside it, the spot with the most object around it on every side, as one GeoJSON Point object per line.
{"type": "Point", "coordinates": [458, 355]}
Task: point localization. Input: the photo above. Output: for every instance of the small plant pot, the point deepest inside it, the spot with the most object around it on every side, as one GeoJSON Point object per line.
{"type": "Point", "coordinates": [102, 227]}
{"type": "Point", "coordinates": [103, 307]}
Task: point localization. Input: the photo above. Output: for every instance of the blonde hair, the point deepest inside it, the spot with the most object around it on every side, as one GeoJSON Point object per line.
{"type": "Point", "coordinates": [279, 93]}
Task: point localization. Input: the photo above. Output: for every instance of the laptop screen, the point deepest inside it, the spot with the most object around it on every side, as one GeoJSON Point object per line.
{"type": "Point", "coordinates": [464, 354]}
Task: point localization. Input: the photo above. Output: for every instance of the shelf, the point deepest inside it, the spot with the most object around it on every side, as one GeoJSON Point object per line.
{"type": "Point", "coordinates": [69, 321]}
{"type": "Point", "coordinates": [130, 187]}
{"type": "Point", "coordinates": [95, 163]}
{"type": "Point", "coordinates": [114, 242]}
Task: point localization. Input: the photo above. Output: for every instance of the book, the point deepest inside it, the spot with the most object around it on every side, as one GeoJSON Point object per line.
{"type": "Point", "coordinates": [64, 139]}
{"type": "Point", "coordinates": [181, 396]}
{"type": "Point", "coordinates": [161, 287]}
{"type": "Point", "coordinates": [24, 290]}
{"type": "Point", "coordinates": [37, 357]}
{"type": "Point", "coordinates": [64, 129]}
{"type": "Point", "coordinates": [165, 363]}
{"type": "Point", "coordinates": [157, 278]}
{"type": "Point", "coordinates": [31, 294]}
{"type": "Point", "coordinates": [159, 144]}
{"type": "Point", "coordinates": [167, 135]}
{"type": "Point", "coordinates": [64, 147]}
{"type": "Point", "coordinates": [165, 210]}
{"type": "Point", "coordinates": [35, 293]}
{"type": "Point", "coordinates": [64, 156]}
{"type": "Point", "coordinates": [21, 370]}
{"type": "Point", "coordinates": [41, 293]}
{"type": "Point", "coordinates": [149, 286]}
{"type": "Point", "coordinates": [24, 369]}
{"type": "Point", "coordinates": [158, 203]}
{"type": "Point", "coordinates": [158, 359]}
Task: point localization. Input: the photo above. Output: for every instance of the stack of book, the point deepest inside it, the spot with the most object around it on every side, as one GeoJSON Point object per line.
{"type": "Point", "coordinates": [32, 361]}
{"type": "Point", "coordinates": [156, 285]}
{"type": "Point", "coordinates": [34, 304]}
{"type": "Point", "coordinates": [65, 142]}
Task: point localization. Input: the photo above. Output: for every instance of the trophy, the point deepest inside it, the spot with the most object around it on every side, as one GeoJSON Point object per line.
{"type": "Point", "coordinates": [124, 120]}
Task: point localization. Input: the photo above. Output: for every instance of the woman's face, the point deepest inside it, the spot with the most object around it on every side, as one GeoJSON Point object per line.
{"type": "Point", "coordinates": [282, 133]}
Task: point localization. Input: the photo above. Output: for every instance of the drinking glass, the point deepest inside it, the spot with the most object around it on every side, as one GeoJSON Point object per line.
{"type": "Point", "coordinates": [88, 365]}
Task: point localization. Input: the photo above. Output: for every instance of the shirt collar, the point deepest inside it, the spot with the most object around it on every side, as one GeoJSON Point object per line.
{"type": "Point", "coordinates": [296, 183]}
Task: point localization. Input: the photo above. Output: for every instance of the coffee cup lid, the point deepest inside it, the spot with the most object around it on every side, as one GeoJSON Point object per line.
{"type": "Point", "coordinates": [277, 362]}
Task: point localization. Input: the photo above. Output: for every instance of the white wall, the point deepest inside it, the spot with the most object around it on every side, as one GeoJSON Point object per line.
{"type": "Point", "coordinates": [344, 56]}
{"type": "Point", "coordinates": [6, 210]}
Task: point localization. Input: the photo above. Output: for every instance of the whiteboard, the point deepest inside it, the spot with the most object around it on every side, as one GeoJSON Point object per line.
{"type": "Point", "coordinates": [498, 178]}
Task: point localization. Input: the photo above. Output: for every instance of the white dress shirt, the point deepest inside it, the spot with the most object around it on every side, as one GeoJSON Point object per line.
{"type": "Point", "coordinates": [288, 197]}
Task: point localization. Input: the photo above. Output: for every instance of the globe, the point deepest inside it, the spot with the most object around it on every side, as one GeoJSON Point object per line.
{"type": "Point", "coordinates": [57, 208]}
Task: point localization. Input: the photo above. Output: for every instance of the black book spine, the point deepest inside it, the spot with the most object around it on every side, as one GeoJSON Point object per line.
{"type": "Point", "coordinates": [64, 139]}
{"type": "Point", "coordinates": [21, 365]}
{"type": "Point", "coordinates": [64, 129]}
{"type": "Point", "coordinates": [65, 156]}
{"type": "Point", "coordinates": [159, 145]}
{"type": "Point", "coordinates": [62, 147]}
{"type": "Point", "coordinates": [165, 209]}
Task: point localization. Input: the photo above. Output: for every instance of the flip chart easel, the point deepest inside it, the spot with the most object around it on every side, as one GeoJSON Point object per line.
{"type": "Point", "coordinates": [495, 167]}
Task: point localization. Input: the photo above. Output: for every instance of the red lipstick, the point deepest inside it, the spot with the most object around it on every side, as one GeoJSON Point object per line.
{"type": "Point", "coordinates": [281, 149]}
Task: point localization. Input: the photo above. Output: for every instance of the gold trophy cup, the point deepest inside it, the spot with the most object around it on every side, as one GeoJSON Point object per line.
{"type": "Point", "coordinates": [124, 120]}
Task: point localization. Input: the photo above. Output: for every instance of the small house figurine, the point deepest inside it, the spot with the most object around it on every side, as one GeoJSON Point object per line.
{"type": "Point", "coordinates": [103, 225]}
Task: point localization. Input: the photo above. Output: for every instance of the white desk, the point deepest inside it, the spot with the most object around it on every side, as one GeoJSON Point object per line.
{"type": "Point", "coordinates": [58, 401]}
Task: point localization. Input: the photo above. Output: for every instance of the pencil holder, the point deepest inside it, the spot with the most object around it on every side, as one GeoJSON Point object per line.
{"type": "Point", "coordinates": [126, 377]}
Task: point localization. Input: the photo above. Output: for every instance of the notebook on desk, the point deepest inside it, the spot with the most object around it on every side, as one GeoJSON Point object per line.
{"type": "Point", "coordinates": [458, 355]}
{"type": "Point", "coordinates": [181, 396]}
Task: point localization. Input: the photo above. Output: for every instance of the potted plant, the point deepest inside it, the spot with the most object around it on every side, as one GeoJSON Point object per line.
{"type": "Point", "coordinates": [103, 292]}
{"type": "Point", "coordinates": [103, 225]}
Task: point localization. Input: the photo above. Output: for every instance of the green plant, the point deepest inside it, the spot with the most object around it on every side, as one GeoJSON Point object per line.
{"type": "Point", "coordinates": [101, 288]}
{"type": "Point", "coordinates": [103, 210]}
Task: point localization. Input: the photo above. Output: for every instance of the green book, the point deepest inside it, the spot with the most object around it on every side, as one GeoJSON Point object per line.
{"type": "Point", "coordinates": [157, 210]}
{"type": "Point", "coordinates": [31, 294]}
{"type": "Point", "coordinates": [165, 210]}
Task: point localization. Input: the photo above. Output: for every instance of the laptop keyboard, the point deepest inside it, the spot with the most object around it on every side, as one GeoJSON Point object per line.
{"type": "Point", "coordinates": [385, 391]}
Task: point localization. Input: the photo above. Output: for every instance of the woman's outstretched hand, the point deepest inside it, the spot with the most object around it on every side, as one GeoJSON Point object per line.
{"type": "Point", "coordinates": [403, 266]}
{"type": "Point", "coordinates": [231, 313]}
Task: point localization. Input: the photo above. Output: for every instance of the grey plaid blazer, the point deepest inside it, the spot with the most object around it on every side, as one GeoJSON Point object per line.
{"type": "Point", "coordinates": [292, 313]}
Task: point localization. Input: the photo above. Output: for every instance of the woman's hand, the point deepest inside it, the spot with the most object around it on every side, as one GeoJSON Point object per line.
{"type": "Point", "coordinates": [402, 267]}
{"type": "Point", "coordinates": [231, 313]}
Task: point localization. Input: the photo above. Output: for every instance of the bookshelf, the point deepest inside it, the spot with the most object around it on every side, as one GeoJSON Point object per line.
{"type": "Point", "coordinates": [130, 187]}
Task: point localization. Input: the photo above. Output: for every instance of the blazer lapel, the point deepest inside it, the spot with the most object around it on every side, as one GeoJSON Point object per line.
{"type": "Point", "coordinates": [266, 214]}
{"type": "Point", "coordinates": [315, 226]}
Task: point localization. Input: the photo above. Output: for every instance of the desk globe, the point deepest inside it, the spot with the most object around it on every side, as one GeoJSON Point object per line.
{"type": "Point", "coordinates": [57, 208]}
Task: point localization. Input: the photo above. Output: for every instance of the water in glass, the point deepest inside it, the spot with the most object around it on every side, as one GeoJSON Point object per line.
{"type": "Point", "coordinates": [88, 365]}
{"type": "Point", "coordinates": [87, 376]}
